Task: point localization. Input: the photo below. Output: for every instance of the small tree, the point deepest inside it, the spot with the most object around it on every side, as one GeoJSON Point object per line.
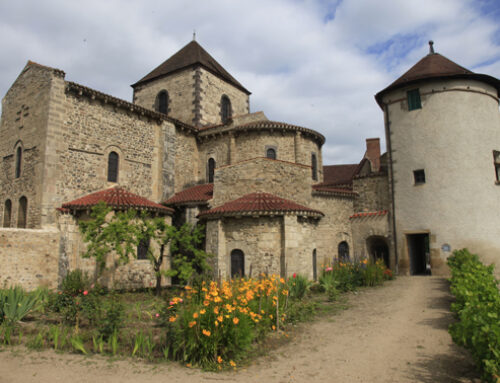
{"type": "Point", "coordinates": [123, 231]}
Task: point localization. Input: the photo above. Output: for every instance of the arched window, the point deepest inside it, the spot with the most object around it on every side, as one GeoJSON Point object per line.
{"type": "Point", "coordinates": [113, 160]}
{"type": "Point", "coordinates": [314, 167]}
{"type": "Point", "coordinates": [237, 263]}
{"type": "Point", "coordinates": [315, 266]}
{"type": "Point", "coordinates": [7, 213]}
{"type": "Point", "coordinates": [22, 213]}
{"type": "Point", "coordinates": [225, 109]}
{"type": "Point", "coordinates": [271, 153]}
{"type": "Point", "coordinates": [162, 102]}
{"type": "Point", "coordinates": [143, 248]}
{"type": "Point", "coordinates": [343, 251]}
{"type": "Point", "coordinates": [211, 170]}
{"type": "Point", "coordinates": [19, 159]}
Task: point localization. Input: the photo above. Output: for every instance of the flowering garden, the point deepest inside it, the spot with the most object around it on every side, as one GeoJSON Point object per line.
{"type": "Point", "coordinates": [212, 325]}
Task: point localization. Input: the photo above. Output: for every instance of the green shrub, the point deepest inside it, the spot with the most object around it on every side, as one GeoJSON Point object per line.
{"type": "Point", "coordinates": [373, 273]}
{"type": "Point", "coordinates": [298, 286]}
{"type": "Point", "coordinates": [109, 317]}
{"type": "Point", "coordinates": [15, 304]}
{"type": "Point", "coordinates": [75, 282]}
{"type": "Point", "coordinates": [477, 307]}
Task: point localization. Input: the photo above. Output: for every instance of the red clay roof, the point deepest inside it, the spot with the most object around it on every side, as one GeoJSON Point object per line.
{"type": "Point", "coordinates": [261, 204]}
{"type": "Point", "coordinates": [118, 198]}
{"type": "Point", "coordinates": [338, 174]}
{"type": "Point", "coordinates": [435, 66]}
{"type": "Point", "coordinates": [325, 189]}
{"type": "Point", "coordinates": [190, 55]}
{"type": "Point", "coordinates": [369, 214]}
{"type": "Point", "coordinates": [198, 193]}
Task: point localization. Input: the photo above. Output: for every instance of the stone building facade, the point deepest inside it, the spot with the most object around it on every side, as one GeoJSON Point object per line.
{"type": "Point", "coordinates": [189, 141]}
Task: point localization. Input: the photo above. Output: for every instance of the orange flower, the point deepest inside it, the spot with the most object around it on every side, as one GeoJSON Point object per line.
{"type": "Point", "coordinates": [172, 319]}
{"type": "Point", "coordinates": [206, 332]}
{"type": "Point", "coordinates": [274, 327]}
{"type": "Point", "coordinates": [206, 303]}
{"type": "Point", "coordinates": [235, 320]}
{"type": "Point", "coordinates": [219, 359]}
{"type": "Point", "coordinates": [191, 324]}
{"type": "Point", "coordinates": [220, 318]}
{"type": "Point", "coordinates": [216, 310]}
{"type": "Point", "coordinates": [232, 363]}
{"type": "Point", "coordinates": [195, 315]}
{"type": "Point", "coordinates": [202, 311]}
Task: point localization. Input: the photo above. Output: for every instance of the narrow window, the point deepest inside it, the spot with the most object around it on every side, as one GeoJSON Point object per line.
{"type": "Point", "coordinates": [343, 251]}
{"type": "Point", "coordinates": [162, 102]}
{"type": "Point", "coordinates": [271, 153]}
{"type": "Point", "coordinates": [237, 264]}
{"type": "Point", "coordinates": [496, 161]}
{"type": "Point", "coordinates": [211, 170]}
{"type": "Point", "coordinates": [414, 99]}
{"type": "Point", "coordinates": [314, 167]}
{"type": "Point", "coordinates": [315, 267]}
{"type": "Point", "coordinates": [7, 213]}
{"type": "Point", "coordinates": [225, 109]}
{"type": "Point", "coordinates": [22, 213]}
{"type": "Point", "coordinates": [113, 160]}
{"type": "Point", "coordinates": [143, 248]}
{"type": "Point", "coordinates": [419, 176]}
{"type": "Point", "coordinates": [19, 155]}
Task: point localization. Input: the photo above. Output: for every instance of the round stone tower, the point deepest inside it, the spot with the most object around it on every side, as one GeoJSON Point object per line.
{"type": "Point", "coordinates": [443, 139]}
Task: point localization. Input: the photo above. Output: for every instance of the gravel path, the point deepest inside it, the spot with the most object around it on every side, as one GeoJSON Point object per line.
{"type": "Point", "coordinates": [395, 333]}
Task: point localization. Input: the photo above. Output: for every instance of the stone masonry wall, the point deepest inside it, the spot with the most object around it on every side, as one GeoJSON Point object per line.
{"type": "Point", "coordinates": [253, 144]}
{"type": "Point", "coordinates": [284, 179]}
{"type": "Point", "coordinates": [180, 88]}
{"type": "Point", "coordinates": [212, 89]}
{"type": "Point", "coordinates": [29, 258]}
{"type": "Point", "coordinates": [299, 244]}
{"type": "Point", "coordinates": [260, 241]}
{"type": "Point", "coordinates": [186, 161]}
{"type": "Point", "coordinates": [373, 193]}
{"type": "Point", "coordinates": [23, 124]}
{"type": "Point", "coordinates": [333, 228]}
{"type": "Point", "coordinates": [90, 132]}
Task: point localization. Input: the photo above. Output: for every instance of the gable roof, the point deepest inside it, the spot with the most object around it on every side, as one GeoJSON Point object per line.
{"type": "Point", "coordinates": [191, 55]}
{"type": "Point", "coordinates": [198, 193]}
{"type": "Point", "coordinates": [435, 66]}
{"type": "Point", "coordinates": [260, 204]}
{"type": "Point", "coordinates": [119, 199]}
{"type": "Point", "coordinates": [338, 174]}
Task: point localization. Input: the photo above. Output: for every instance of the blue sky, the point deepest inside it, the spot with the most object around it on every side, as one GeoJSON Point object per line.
{"type": "Point", "coordinates": [314, 63]}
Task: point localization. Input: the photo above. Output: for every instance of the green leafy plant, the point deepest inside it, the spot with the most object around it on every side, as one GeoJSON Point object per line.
{"type": "Point", "coordinates": [15, 304]}
{"type": "Point", "coordinates": [298, 286]}
{"type": "Point", "coordinates": [54, 334]}
{"type": "Point", "coordinates": [37, 342]}
{"type": "Point", "coordinates": [78, 344]}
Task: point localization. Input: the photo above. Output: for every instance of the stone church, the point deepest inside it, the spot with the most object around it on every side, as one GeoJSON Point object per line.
{"type": "Point", "coordinates": [188, 148]}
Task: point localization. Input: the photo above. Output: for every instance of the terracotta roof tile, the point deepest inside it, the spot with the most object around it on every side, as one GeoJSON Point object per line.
{"type": "Point", "coordinates": [198, 193]}
{"type": "Point", "coordinates": [261, 204]}
{"type": "Point", "coordinates": [338, 191]}
{"type": "Point", "coordinates": [369, 214]}
{"type": "Point", "coordinates": [190, 55]}
{"type": "Point", "coordinates": [435, 65]}
{"type": "Point", "coordinates": [338, 174]}
{"type": "Point", "coordinates": [118, 198]}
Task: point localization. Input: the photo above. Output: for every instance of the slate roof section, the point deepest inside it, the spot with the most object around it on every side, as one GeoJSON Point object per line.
{"type": "Point", "coordinates": [191, 55]}
{"type": "Point", "coordinates": [196, 194]}
{"type": "Point", "coordinates": [119, 199]}
{"type": "Point", "coordinates": [435, 66]}
{"type": "Point", "coordinates": [260, 204]}
{"type": "Point", "coordinates": [369, 214]}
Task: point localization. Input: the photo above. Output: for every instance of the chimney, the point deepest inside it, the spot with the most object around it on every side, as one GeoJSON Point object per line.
{"type": "Point", "coordinates": [373, 153]}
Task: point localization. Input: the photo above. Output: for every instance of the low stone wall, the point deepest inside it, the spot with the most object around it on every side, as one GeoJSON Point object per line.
{"type": "Point", "coordinates": [29, 258]}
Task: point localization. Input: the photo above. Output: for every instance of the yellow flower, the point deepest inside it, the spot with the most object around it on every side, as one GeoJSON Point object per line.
{"type": "Point", "coordinates": [216, 323]}
{"type": "Point", "coordinates": [195, 315]}
{"type": "Point", "coordinates": [220, 318]}
{"type": "Point", "coordinates": [219, 359]}
{"type": "Point", "coordinates": [202, 311]}
{"type": "Point", "coordinates": [232, 363]}
{"type": "Point", "coordinates": [206, 332]}
{"type": "Point", "coordinates": [191, 324]}
{"type": "Point", "coordinates": [235, 320]}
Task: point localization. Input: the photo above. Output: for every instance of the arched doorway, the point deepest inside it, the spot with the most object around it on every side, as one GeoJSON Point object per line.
{"type": "Point", "coordinates": [237, 263]}
{"type": "Point", "coordinates": [378, 249]}
{"type": "Point", "coordinates": [343, 251]}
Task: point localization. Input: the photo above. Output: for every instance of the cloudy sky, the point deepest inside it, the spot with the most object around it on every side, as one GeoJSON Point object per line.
{"type": "Point", "coordinates": [314, 63]}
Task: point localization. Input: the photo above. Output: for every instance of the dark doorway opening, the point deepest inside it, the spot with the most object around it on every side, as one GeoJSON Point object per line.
{"type": "Point", "coordinates": [418, 250]}
{"type": "Point", "coordinates": [237, 264]}
{"type": "Point", "coordinates": [378, 249]}
{"type": "Point", "coordinates": [315, 266]}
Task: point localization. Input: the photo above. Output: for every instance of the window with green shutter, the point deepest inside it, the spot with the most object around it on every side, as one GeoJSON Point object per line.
{"type": "Point", "coordinates": [414, 99]}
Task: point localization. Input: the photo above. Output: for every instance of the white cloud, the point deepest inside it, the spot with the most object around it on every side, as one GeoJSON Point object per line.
{"type": "Point", "coordinates": [315, 63]}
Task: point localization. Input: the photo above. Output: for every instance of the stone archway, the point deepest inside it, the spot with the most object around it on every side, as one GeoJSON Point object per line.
{"type": "Point", "coordinates": [378, 248]}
